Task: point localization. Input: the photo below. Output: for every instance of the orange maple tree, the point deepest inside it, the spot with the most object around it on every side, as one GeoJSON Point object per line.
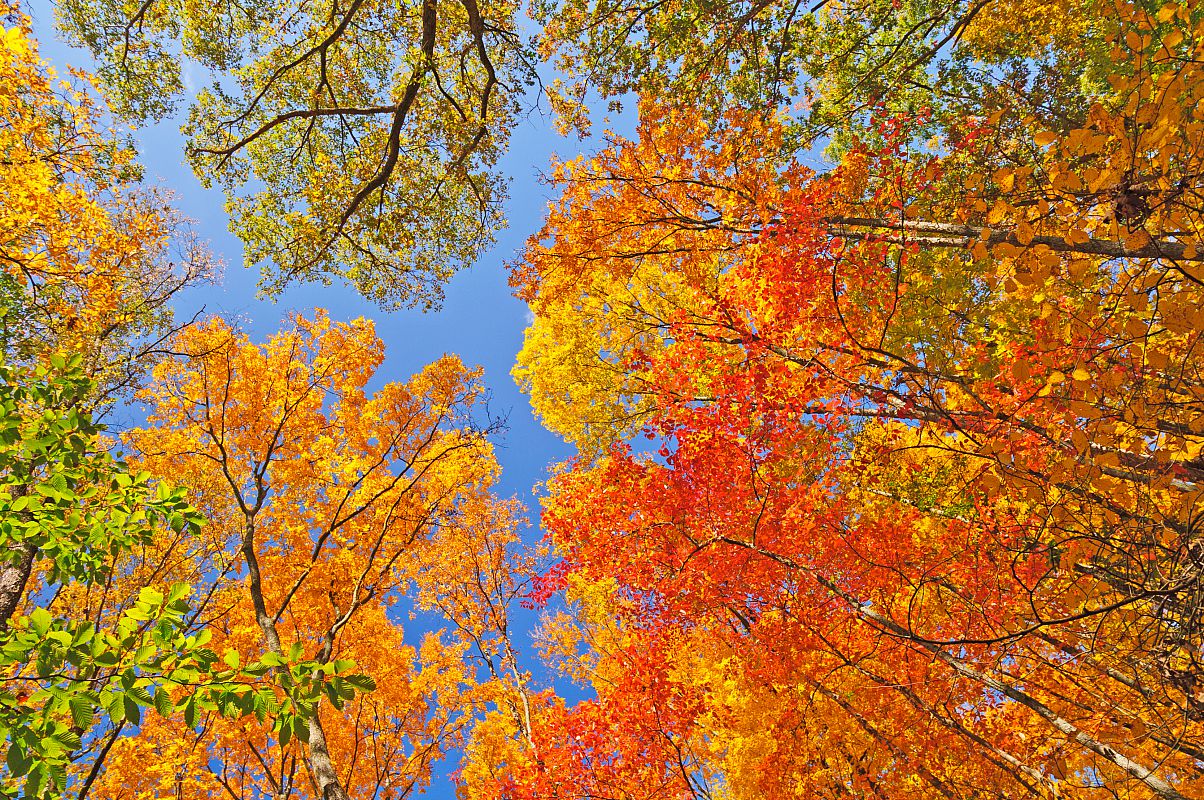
{"type": "Point", "coordinates": [331, 511]}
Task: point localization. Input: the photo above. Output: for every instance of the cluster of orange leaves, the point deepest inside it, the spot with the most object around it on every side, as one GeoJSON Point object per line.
{"type": "Point", "coordinates": [354, 506]}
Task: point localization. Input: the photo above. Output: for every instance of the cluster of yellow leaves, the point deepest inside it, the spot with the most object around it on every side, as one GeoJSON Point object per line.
{"type": "Point", "coordinates": [644, 231]}
{"type": "Point", "coordinates": [89, 259]}
{"type": "Point", "coordinates": [1026, 29]}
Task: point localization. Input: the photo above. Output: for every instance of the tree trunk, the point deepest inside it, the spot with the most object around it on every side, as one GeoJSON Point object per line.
{"type": "Point", "coordinates": [319, 753]}
{"type": "Point", "coordinates": [14, 575]}
{"type": "Point", "coordinates": [15, 571]}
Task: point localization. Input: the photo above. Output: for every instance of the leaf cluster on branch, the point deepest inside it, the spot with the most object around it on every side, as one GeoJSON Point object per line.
{"type": "Point", "coordinates": [354, 140]}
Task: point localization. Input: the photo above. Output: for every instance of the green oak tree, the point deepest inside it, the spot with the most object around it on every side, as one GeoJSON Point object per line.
{"type": "Point", "coordinates": [354, 140]}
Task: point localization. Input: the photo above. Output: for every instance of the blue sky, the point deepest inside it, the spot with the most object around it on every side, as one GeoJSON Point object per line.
{"type": "Point", "coordinates": [480, 321]}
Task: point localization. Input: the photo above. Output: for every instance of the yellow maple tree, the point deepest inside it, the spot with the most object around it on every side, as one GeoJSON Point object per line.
{"type": "Point", "coordinates": [90, 258]}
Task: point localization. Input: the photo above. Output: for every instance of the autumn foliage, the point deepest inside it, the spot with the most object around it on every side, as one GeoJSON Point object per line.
{"type": "Point", "coordinates": [879, 341]}
{"type": "Point", "coordinates": [90, 257]}
{"type": "Point", "coordinates": [328, 505]}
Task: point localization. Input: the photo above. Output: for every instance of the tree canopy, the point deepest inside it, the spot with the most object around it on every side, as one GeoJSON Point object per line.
{"type": "Point", "coordinates": [354, 140]}
{"type": "Point", "coordinates": [878, 341]}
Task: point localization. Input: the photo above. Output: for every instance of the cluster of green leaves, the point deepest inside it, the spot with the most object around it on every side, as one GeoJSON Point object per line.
{"type": "Point", "coordinates": [69, 508]}
{"type": "Point", "coordinates": [304, 683]}
{"type": "Point", "coordinates": [830, 68]}
{"type": "Point", "coordinates": [355, 141]}
{"type": "Point", "coordinates": [149, 661]}
{"type": "Point", "coordinates": [61, 492]}
{"type": "Point", "coordinates": [65, 671]}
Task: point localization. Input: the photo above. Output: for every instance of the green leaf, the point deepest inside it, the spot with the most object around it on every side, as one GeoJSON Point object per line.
{"type": "Point", "coordinates": [33, 784]}
{"type": "Point", "coordinates": [301, 728]}
{"type": "Point", "coordinates": [84, 634]}
{"type": "Point", "coordinates": [272, 660]}
{"type": "Point", "coordinates": [40, 620]}
{"type": "Point", "coordinates": [47, 491]}
{"type": "Point", "coordinates": [82, 711]}
{"type": "Point", "coordinates": [140, 695]}
{"type": "Point", "coordinates": [178, 591]}
{"type": "Point", "coordinates": [286, 730]}
{"type": "Point", "coordinates": [68, 738]}
{"type": "Point", "coordinates": [150, 597]}
{"type": "Point", "coordinates": [362, 682]}
{"type": "Point", "coordinates": [137, 613]}
{"type": "Point", "coordinates": [333, 695]}
{"type": "Point", "coordinates": [114, 703]}
{"type": "Point", "coordinates": [266, 699]}
{"type": "Point", "coordinates": [18, 761]}
{"type": "Point", "coordinates": [133, 713]}
{"type": "Point", "coordinates": [205, 655]}
{"type": "Point", "coordinates": [163, 703]}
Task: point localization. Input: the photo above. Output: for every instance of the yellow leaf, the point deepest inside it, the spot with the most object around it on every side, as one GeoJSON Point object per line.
{"type": "Point", "coordinates": [1078, 268]}
{"type": "Point", "coordinates": [1005, 179]}
{"type": "Point", "coordinates": [1137, 240]}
